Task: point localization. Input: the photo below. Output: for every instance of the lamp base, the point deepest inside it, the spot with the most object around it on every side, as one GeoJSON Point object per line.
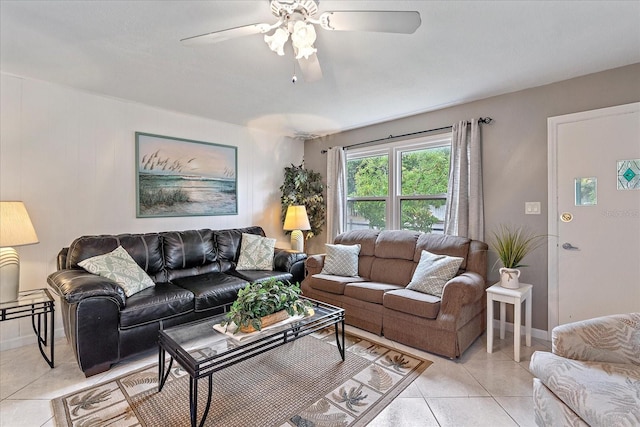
{"type": "Point", "coordinates": [297, 241]}
{"type": "Point", "coordinates": [9, 274]}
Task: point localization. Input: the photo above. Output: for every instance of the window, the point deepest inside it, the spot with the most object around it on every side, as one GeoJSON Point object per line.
{"type": "Point", "coordinates": [399, 186]}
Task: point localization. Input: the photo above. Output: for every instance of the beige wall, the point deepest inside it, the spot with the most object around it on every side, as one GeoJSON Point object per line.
{"type": "Point", "coordinates": [514, 152]}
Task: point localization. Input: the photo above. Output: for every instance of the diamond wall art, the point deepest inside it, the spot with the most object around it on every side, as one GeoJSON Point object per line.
{"type": "Point", "coordinates": [629, 174]}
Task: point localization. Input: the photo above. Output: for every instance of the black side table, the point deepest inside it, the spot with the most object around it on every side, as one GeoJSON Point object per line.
{"type": "Point", "coordinates": [35, 303]}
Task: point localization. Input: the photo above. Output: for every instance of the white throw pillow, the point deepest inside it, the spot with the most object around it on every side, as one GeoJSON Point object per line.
{"type": "Point", "coordinates": [433, 272]}
{"type": "Point", "coordinates": [341, 260]}
{"type": "Point", "coordinates": [256, 253]}
{"type": "Point", "coordinates": [118, 266]}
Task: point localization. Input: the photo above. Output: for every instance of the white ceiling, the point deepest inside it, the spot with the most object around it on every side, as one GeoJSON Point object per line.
{"type": "Point", "coordinates": [463, 51]}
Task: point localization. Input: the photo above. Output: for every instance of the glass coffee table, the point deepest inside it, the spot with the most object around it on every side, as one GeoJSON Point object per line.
{"type": "Point", "coordinates": [201, 350]}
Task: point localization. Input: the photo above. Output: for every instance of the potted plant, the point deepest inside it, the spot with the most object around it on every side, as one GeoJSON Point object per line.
{"type": "Point", "coordinates": [262, 303]}
{"type": "Point", "coordinates": [512, 244]}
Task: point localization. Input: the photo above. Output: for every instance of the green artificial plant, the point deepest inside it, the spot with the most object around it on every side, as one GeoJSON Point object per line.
{"type": "Point", "coordinates": [304, 187]}
{"type": "Point", "coordinates": [260, 299]}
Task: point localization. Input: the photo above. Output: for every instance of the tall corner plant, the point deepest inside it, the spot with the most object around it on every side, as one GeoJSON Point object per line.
{"type": "Point", "coordinates": [304, 187]}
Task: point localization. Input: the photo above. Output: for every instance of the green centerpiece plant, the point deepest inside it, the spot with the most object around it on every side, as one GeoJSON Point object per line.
{"type": "Point", "coordinates": [512, 244]}
{"type": "Point", "coordinates": [261, 299]}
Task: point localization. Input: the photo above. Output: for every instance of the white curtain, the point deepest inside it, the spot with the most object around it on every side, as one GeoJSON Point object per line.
{"type": "Point", "coordinates": [336, 194]}
{"type": "Point", "coordinates": [465, 208]}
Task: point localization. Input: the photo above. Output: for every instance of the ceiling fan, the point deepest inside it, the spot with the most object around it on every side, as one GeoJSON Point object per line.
{"type": "Point", "coordinates": [296, 20]}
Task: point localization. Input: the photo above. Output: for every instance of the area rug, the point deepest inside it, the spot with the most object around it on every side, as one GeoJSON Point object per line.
{"type": "Point", "coordinates": [304, 383]}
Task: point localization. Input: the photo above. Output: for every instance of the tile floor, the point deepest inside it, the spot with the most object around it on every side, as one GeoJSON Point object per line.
{"type": "Point", "coordinates": [479, 389]}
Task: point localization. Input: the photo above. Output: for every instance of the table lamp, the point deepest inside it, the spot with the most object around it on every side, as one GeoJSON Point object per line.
{"type": "Point", "coordinates": [15, 230]}
{"type": "Point", "coordinates": [296, 220]}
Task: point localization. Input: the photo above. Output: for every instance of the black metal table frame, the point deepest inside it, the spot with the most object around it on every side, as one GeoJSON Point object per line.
{"type": "Point", "coordinates": [43, 326]}
{"type": "Point", "coordinates": [207, 367]}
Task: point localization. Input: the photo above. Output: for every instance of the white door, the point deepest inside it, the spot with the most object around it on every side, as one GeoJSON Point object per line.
{"type": "Point", "coordinates": [594, 269]}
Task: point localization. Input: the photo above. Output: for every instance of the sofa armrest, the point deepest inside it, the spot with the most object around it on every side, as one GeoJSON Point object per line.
{"type": "Point", "coordinates": [465, 289]}
{"type": "Point", "coordinates": [290, 261]}
{"type": "Point", "coordinates": [313, 264]}
{"type": "Point", "coordinates": [61, 260]}
{"type": "Point", "coordinates": [75, 285]}
{"type": "Point", "coordinates": [613, 339]}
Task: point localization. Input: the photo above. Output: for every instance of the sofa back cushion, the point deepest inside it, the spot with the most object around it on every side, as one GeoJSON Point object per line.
{"type": "Point", "coordinates": [441, 244]}
{"type": "Point", "coordinates": [145, 249]}
{"type": "Point", "coordinates": [186, 249]}
{"type": "Point", "coordinates": [189, 253]}
{"type": "Point", "coordinates": [228, 244]}
{"type": "Point", "coordinates": [393, 261]}
{"type": "Point", "coordinates": [367, 241]}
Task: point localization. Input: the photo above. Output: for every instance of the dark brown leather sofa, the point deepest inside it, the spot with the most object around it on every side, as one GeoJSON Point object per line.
{"type": "Point", "coordinates": [377, 300]}
{"type": "Point", "coordinates": [195, 277]}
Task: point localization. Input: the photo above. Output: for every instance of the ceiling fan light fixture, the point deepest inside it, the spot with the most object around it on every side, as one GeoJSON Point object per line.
{"type": "Point", "coordinates": [277, 40]}
{"type": "Point", "coordinates": [297, 18]}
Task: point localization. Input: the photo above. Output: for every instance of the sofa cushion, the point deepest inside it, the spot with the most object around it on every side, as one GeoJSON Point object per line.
{"type": "Point", "coordinates": [256, 253]}
{"type": "Point", "coordinates": [433, 272]}
{"type": "Point", "coordinates": [441, 244]}
{"type": "Point", "coordinates": [330, 283]}
{"type": "Point", "coordinates": [341, 260]}
{"type": "Point", "coordinates": [365, 238]}
{"type": "Point", "coordinates": [163, 301]}
{"type": "Point", "coordinates": [118, 266]}
{"type": "Point", "coordinates": [261, 275]}
{"type": "Point", "coordinates": [393, 271]}
{"type": "Point", "coordinates": [412, 302]}
{"type": "Point", "coordinates": [187, 249]}
{"type": "Point", "coordinates": [612, 397]}
{"type": "Point", "coordinates": [368, 291]}
{"type": "Point", "coordinates": [396, 244]}
{"type": "Point", "coordinates": [145, 249]}
{"type": "Point", "coordinates": [228, 244]}
{"type": "Point", "coordinates": [212, 290]}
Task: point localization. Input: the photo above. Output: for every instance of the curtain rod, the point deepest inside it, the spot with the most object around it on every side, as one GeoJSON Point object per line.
{"type": "Point", "coordinates": [482, 120]}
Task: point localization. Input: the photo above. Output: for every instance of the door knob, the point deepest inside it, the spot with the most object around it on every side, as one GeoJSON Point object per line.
{"type": "Point", "coordinates": [569, 247]}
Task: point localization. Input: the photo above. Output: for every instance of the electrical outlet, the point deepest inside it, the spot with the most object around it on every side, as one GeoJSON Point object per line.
{"type": "Point", "coordinates": [532, 208]}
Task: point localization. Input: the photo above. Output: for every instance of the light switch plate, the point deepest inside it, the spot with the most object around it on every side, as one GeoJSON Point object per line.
{"type": "Point", "coordinates": [532, 208]}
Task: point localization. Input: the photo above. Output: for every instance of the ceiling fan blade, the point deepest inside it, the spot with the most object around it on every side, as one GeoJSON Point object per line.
{"type": "Point", "coordinates": [310, 68]}
{"type": "Point", "coordinates": [231, 33]}
{"type": "Point", "coordinates": [404, 22]}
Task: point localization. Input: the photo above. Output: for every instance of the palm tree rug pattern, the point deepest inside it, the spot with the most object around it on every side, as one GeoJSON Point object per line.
{"type": "Point", "coordinates": [304, 383]}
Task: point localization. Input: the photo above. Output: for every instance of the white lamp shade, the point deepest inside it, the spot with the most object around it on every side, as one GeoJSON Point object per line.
{"type": "Point", "coordinates": [277, 40]}
{"type": "Point", "coordinates": [302, 38]}
{"type": "Point", "coordinates": [296, 219]}
{"type": "Point", "coordinates": [16, 228]}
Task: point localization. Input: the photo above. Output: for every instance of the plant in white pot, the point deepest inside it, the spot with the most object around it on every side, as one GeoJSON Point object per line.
{"type": "Point", "coordinates": [512, 244]}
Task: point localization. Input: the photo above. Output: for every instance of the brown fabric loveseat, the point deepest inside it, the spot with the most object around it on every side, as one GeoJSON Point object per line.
{"type": "Point", "coordinates": [377, 300]}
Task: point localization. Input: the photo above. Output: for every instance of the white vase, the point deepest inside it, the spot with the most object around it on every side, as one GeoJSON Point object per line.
{"type": "Point", "coordinates": [509, 278]}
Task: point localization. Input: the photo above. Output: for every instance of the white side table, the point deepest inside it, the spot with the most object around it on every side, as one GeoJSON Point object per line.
{"type": "Point", "coordinates": [515, 297]}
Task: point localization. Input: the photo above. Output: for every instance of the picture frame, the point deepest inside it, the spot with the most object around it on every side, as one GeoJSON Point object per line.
{"type": "Point", "coordinates": [183, 177]}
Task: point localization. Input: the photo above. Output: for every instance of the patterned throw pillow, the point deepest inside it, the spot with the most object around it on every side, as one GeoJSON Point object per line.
{"type": "Point", "coordinates": [433, 272]}
{"type": "Point", "coordinates": [256, 253]}
{"type": "Point", "coordinates": [118, 266]}
{"type": "Point", "coordinates": [341, 260]}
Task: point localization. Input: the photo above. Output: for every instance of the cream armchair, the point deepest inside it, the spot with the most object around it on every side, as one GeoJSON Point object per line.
{"type": "Point", "coordinates": [592, 376]}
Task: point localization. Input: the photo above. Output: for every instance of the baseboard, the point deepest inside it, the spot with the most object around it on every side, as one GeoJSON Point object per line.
{"type": "Point", "coordinates": [23, 340]}
{"type": "Point", "coordinates": [535, 333]}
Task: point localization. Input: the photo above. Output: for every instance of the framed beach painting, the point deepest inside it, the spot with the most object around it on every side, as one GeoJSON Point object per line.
{"type": "Point", "coordinates": [182, 177]}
